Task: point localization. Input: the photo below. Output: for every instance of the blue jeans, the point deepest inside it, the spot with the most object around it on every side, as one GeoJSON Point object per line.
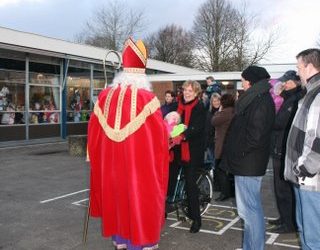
{"type": "Point", "coordinates": [249, 205]}
{"type": "Point", "coordinates": [308, 218]}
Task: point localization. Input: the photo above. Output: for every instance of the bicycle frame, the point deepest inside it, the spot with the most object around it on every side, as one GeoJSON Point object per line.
{"type": "Point", "coordinates": [178, 199]}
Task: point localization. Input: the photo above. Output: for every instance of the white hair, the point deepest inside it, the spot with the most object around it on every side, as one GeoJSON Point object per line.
{"type": "Point", "coordinates": [131, 79]}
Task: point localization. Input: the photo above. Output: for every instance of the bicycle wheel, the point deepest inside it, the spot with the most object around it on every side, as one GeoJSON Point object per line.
{"type": "Point", "coordinates": [205, 186]}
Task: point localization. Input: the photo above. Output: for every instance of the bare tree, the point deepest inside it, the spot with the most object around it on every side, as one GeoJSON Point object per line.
{"type": "Point", "coordinates": [212, 32]}
{"type": "Point", "coordinates": [250, 47]}
{"type": "Point", "coordinates": [223, 36]}
{"type": "Point", "coordinates": [111, 25]}
{"type": "Point", "coordinates": [171, 44]}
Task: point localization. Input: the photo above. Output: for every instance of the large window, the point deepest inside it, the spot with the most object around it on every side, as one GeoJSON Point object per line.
{"type": "Point", "coordinates": [78, 95]}
{"type": "Point", "coordinates": [98, 84]}
{"type": "Point", "coordinates": [12, 92]}
{"type": "Point", "coordinates": [99, 81]}
{"type": "Point", "coordinates": [44, 93]}
{"type": "Point", "coordinates": [32, 95]}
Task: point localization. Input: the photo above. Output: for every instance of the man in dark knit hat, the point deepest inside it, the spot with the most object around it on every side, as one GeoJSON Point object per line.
{"type": "Point", "coordinates": [246, 151]}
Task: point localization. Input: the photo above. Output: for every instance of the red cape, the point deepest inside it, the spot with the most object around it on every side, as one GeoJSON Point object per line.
{"type": "Point", "coordinates": [129, 170]}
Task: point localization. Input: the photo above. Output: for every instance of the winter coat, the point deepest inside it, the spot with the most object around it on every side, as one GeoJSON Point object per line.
{"type": "Point", "coordinates": [303, 144]}
{"type": "Point", "coordinates": [247, 144]}
{"type": "Point", "coordinates": [214, 88]}
{"type": "Point", "coordinates": [209, 130]}
{"type": "Point", "coordinates": [194, 134]}
{"type": "Point", "coordinates": [168, 107]}
{"type": "Point", "coordinates": [221, 121]}
{"type": "Point", "coordinates": [283, 121]}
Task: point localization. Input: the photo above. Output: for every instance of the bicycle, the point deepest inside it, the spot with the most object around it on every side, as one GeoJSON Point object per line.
{"type": "Point", "coordinates": [179, 197]}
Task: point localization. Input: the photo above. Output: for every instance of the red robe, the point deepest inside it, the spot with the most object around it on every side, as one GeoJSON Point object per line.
{"type": "Point", "coordinates": [129, 165]}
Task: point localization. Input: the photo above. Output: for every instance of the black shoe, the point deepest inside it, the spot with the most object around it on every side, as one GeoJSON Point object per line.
{"type": "Point", "coordinates": [282, 229]}
{"type": "Point", "coordinates": [170, 208]}
{"type": "Point", "coordinates": [195, 226]}
{"type": "Point", "coordinates": [222, 197]}
{"type": "Point", "coordinates": [275, 222]}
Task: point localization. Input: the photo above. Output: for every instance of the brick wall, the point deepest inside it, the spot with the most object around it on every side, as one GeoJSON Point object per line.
{"type": "Point", "coordinates": [159, 88]}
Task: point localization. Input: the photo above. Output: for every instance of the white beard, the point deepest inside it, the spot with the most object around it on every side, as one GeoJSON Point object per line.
{"type": "Point", "coordinates": [131, 79]}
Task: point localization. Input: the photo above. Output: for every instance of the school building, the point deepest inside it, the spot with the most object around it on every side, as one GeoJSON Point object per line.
{"type": "Point", "coordinates": [48, 86]}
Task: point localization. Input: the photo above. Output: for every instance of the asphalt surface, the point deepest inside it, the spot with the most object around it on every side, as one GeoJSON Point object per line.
{"type": "Point", "coordinates": [43, 197]}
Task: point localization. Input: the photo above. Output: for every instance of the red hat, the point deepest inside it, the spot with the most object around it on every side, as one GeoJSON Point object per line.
{"type": "Point", "coordinates": [134, 56]}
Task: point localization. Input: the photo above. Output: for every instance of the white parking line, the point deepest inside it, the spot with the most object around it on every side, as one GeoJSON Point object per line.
{"type": "Point", "coordinates": [229, 225]}
{"type": "Point", "coordinates": [273, 237]}
{"type": "Point", "coordinates": [63, 196]}
{"type": "Point", "coordinates": [231, 222]}
{"type": "Point", "coordinates": [78, 203]}
{"type": "Point", "coordinates": [176, 224]}
{"type": "Point", "coordinates": [286, 245]}
{"type": "Point", "coordinates": [216, 205]}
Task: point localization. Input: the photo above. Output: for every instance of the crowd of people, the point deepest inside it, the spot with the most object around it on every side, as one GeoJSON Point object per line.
{"type": "Point", "coordinates": [44, 113]}
{"type": "Point", "coordinates": [135, 161]}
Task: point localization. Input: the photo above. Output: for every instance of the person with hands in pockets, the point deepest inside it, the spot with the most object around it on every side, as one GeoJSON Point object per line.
{"type": "Point", "coordinates": [302, 161]}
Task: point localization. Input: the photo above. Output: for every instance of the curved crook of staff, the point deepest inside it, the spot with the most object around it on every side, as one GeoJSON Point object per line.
{"type": "Point", "coordinates": [114, 65]}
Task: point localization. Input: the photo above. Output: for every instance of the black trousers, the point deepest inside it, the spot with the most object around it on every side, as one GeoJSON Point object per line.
{"type": "Point", "coordinates": [190, 174]}
{"type": "Point", "coordinates": [223, 179]}
{"type": "Point", "coordinates": [173, 172]}
{"type": "Point", "coordinates": [284, 195]}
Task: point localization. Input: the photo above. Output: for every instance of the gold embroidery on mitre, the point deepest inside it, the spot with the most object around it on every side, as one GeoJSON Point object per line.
{"type": "Point", "coordinates": [134, 70]}
{"type": "Point", "coordinates": [120, 135]}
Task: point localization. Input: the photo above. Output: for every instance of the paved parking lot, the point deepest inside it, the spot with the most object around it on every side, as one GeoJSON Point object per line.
{"type": "Point", "coordinates": [44, 194]}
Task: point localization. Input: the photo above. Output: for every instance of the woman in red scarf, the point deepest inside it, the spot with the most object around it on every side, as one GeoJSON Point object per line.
{"type": "Point", "coordinates": [189, 149]}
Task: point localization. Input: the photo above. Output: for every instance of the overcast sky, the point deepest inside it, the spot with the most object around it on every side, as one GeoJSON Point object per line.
{"type": "Point", "coordinates": [298, 20]}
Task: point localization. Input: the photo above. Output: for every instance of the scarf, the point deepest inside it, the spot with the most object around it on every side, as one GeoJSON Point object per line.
{"type": "Point", "coordinates": [248, 96]}
{"type": "Point", "coordinates": [186, 110]}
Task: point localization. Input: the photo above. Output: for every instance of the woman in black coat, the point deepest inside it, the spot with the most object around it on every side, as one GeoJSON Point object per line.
{"type": "Point", "coordinates": [189, 149]}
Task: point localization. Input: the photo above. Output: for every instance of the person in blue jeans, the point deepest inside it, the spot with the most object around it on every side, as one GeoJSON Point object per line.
{"type": "Point", "coordinates": [246, 151]}
{"type": "Point", "coordinates": [302, 166]}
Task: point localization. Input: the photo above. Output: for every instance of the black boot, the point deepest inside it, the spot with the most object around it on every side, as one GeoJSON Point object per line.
{"type": "Point", "coordinates": [282, 229]}
{"type": "Point", "coordinates": [275, 222]}
{"type": "Point", "coordinates": [216, 184]}
{"type": "Point", "coordinates": [222, 197]}
{"type": "Point", "coordinates": [195, 226]}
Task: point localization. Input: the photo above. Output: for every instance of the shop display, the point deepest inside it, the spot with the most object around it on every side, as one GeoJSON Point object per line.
{"type": "Point", "coordinates": [3, 98]}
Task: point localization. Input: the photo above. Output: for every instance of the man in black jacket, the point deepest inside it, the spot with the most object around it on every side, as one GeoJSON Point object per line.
{"type": "Point", "coordinates": [291, 93]}
{"type": "Point", "coordinates": [246, 151]}
{"type": "Point", "coordinates": [170, 103]}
